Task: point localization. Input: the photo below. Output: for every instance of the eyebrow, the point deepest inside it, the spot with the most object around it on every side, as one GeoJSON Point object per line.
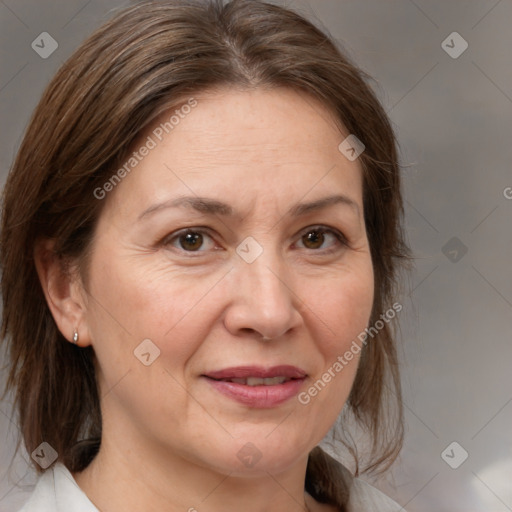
{"type": "Point", "coordinates": [214, 207]}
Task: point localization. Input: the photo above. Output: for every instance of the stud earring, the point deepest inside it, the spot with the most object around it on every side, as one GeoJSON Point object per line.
{"type": "Point", "coordinates": [75, 337]}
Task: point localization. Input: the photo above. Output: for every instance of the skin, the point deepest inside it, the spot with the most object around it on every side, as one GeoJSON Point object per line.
{"type": "Point", "coordinates": [170, 440]}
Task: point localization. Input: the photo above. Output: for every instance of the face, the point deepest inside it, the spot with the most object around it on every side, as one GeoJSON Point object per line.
{"type": "Point", "coordinates": [236, 248]}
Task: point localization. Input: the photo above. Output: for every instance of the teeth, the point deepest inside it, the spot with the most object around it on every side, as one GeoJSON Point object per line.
{"type": "Point", "coordinates": [257, 381]}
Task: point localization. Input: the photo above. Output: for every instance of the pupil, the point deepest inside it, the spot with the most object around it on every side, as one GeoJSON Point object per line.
{"type": "Point", "coordinates": [192, 241]}
{"type": "Point", "coordinates": [314, 238]}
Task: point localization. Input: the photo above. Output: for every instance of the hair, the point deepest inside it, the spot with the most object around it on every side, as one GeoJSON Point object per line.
{"type": "Point", "coordinates": [144, 61]}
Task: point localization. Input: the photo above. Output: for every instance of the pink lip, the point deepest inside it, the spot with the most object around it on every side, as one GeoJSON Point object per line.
{"type": "Point", "coordinates": [242, 372]}
{"type": "Point", "coordinates": [261, 397]}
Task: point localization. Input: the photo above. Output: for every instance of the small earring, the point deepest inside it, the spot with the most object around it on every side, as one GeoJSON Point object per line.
{"type": "Point", "coordinates": [75, 337]}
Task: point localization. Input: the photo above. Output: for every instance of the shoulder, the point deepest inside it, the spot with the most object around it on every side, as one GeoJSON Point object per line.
{"type": "Point", "coordinates": [57, 491]}
{"type": "Point", "coordinates": [365, 497]}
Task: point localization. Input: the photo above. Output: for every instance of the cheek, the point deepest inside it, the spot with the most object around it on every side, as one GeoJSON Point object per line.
{"type": "Point", "coordinates": [133, 303]}
{"type": "Point", "coordinates": [344, 306]}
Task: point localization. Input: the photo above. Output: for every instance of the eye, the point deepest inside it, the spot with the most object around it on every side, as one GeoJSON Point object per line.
{"type": "Point", "coordinates": [190, 240]}
{"type": "Point", "coordinates": [315, 238]}
{"type": "Point", "coordinates": [322, 238]}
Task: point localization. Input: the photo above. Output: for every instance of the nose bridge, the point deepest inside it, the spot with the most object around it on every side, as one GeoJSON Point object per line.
{"type": "Point", "coordinates": [264, 301]}
{"type": "Point", "coordinates": [266, 275]}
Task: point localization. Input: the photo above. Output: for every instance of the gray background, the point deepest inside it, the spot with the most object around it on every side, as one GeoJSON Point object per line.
{"type": "Point", "coordinates": [453, 117]}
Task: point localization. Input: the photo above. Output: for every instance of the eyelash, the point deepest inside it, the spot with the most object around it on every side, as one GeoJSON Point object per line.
{"type": "Point", "coordinates": [319, 229]}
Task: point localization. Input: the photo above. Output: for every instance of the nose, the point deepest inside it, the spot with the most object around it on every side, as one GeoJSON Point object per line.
{"type": "Point", "coordinates": [263, 303]}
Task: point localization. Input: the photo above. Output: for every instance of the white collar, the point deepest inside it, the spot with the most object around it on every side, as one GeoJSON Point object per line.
{"type": "Point", "coordinates": [57, 491]}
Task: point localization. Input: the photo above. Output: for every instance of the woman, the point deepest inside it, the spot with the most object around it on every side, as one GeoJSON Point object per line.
{"type": "Point", "coordinates": [201, 235]}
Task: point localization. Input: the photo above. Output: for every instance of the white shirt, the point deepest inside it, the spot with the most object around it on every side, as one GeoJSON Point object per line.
{"type": "Point", "coordinates": [57, 491]}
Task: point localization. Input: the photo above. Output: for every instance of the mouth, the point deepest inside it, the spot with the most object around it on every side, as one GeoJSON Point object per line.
{"type": "Point", "coordinates": [258, 387]}
{"type": "Point", "coordinates": [257, 381]}
{"type": "Point", "coordinates": [258, 375]}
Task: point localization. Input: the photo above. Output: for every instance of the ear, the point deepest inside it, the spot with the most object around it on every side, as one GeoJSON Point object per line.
{"type": "Point", "coordinates": [63, 291]}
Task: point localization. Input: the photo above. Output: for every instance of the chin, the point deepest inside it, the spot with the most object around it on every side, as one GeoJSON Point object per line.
{"type": "Point", "coordinates": [260, 453]}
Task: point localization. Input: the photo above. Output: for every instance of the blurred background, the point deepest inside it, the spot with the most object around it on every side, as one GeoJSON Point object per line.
{"type": "Point", "coordinates": [443, 71]}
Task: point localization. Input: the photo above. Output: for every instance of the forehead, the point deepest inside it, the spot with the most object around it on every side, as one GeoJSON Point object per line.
{"type": "Point", "coordinates": [242, 144]}
{"type": "Point", "coordinates": [260, 122]}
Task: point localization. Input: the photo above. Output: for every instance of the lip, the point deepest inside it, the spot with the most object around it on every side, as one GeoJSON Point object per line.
{"type": "Point", "coordinates": [242, 372]}
{"type": "Point", "coordinates": [259, 397]}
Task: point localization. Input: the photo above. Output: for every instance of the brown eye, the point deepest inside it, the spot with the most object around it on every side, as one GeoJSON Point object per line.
{"type": "Point", "coordinates": [313, 239]}
{"type": "Point", "coordinates": [323, 240]}
{"type": "Point", "coordinates": [190, 241]}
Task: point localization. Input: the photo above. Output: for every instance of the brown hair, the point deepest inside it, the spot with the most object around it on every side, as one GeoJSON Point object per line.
{"type": "Point", "coordinates": [139, 64]}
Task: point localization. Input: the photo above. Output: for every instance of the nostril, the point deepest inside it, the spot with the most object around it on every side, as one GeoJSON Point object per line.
{"type": "Point", "coordinates": [247, 330]}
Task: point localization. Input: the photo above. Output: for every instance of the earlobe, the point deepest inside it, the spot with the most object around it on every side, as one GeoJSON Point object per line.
{"type": "Point", "coordinates": [61, 288]}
